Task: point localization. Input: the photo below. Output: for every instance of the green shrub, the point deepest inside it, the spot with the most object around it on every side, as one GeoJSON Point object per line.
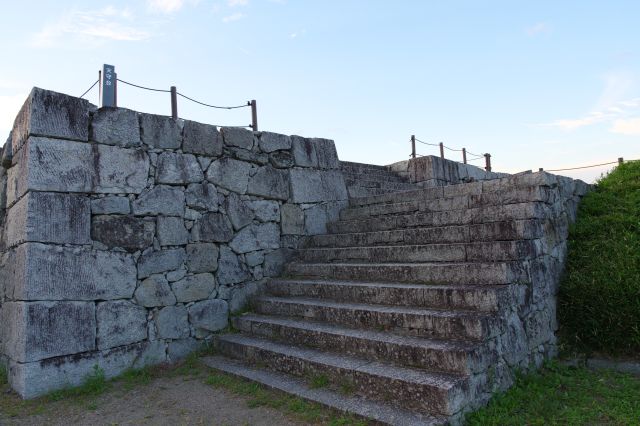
{"type": "Point", "coordinates": [599, 299]}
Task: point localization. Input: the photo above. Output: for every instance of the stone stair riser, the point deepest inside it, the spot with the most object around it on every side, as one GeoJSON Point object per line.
{"type": "Point", "coordinates": [410, 395]}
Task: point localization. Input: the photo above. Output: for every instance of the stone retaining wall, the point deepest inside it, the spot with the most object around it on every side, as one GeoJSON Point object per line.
{"type": "Point", "coordinates": [429, 170]}
{"type": "Point", "coordinates": [128, 238]}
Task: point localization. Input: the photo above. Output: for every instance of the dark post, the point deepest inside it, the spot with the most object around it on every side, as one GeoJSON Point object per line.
{"type": "Point", "coordinates": [620, 160]}
{"type": "Point", "coordinates": [115, 89]}
{"type": "Point", "coordinates": [413, 146]}
{"type": "Point", "coordinates": [174, 103]}
{"type": "Point", "coordinates": [464, 155]}
{"type": "Point", "coordinates": [441, 150]}
{"type": "Point", "coordinates": [254, 115]}
{"type": "Point", "coordinates": [487, 158]}
{"type": "Point", "coordinates": [541, 169]}
{"type": "Point", "coordinates": [99, 86]}
{"type": "Point", "coordinates": [108, 86]}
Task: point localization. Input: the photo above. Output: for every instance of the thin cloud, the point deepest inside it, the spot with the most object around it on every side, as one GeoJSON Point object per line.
{"type": "Point", "coordinates": [165, 6]}
{"type": "Point", "coordinates": [617, 113]}
{"type": "Point", "coordinates": [236, 3]}
{"type": "Point", "coordinates": [103, 24]}
{"type": "Point", "coordinates": [234, 17]}
{"type": "Point", "coordinates": [538, 28]}
{"type": "Point", "coordinates": [629, 127]}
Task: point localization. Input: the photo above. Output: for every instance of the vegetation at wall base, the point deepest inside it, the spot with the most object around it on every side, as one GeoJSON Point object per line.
{"type": "Point", "coordinates": [563, 395]}
{"type": "Point", "coordinates": [599, 299]}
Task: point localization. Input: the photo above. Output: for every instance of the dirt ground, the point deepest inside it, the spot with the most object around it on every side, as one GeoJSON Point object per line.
{"type": "Point", "coordinates": [165, 401]}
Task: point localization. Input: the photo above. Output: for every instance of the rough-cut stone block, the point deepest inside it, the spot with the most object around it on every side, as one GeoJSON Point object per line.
{"type": "Point", "coordinates": [254, 258]}
{"type": "Point", "coordinates": [172, 323]}
{"type": "Point", "coordinates": [43, 272]}
{"type": "Point", "coordinates": [304, 152]}
{"type": "Point", "coordinates": [161, 199]}
{"type": "Point", "coordinates": [212, 227]}
{"type": "Point", "coordinates": [270, 183]}
{"type": "Point", "coordinates": [110, 205]}
{"type": "Point", "coordinates": [237, 136]}
{"type": "Point", "coordinates": [202, 257]}
{"type": "Point", "coordinates": [181, 348]}
{"type": "Point", "coordinates": [241, 296]}
{"type": "Point", "coordinates": [194, 287]}
{"type": "Point", "coordinates": [49, 218]}
{"type": "Point", "coordinates": [127, 232]}
{"type": "Point", "coordinates": [281, 159]}
{"type": "Point", "coordinates": [230, 174]}
{"type": "Point", "coordinates": [326, 153]}
{"type": "Point", "coordinates": [38, 330]}
{"type": "Point", "coordinates": [292, 219]}
{"type": "Point", "coordinates": [155, 291]}
{"type": "Point", "coordinates": [202, 139]}
{"type": "Point", "coordinates": [210, 315]}
{"type": "Point", "coordinates": [270, 142]}
{"type": "Point", "coordinates": [250, 156]}
{"type": "Point", "coordinates": [47, 113]}
{"type": "Point", "coordinates": [311, 186]}
{"type": "Point", "coordinates": [171, 231]}
{"type": "Point", "coordinates": [238, 211]}
{"type": "Point", "coordinates": [120, 322]}
{"type": "Point", "coordinates": [7, 153]}
{"type": "Point", "coordinates": [160, 261]}
{"type": "Point", "coordinates": [230, 269]}
{"type": "Point", "coordinates": [266, 210]}
{"type": "Point", "coordinates": [274, 262]}
{"type": "Point", "coordinates": [255, 237]}
{"type": "Point", "coordinates": [180, 169]}
{"type": "Point", "coordinates": [71, 370]}
{"type": "Point", "coordinates": [115, 126]}
{"type": "Point", "coordinates": [202, 196]}
{"type": "Point", "coordinates": [315, 220]}
{"type": "Point", "coordinates": [160, 132]}
{"type": "Point", "coordinates": [65, 166]}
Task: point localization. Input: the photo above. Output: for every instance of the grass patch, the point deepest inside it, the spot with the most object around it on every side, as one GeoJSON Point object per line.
{"type": "Point", "coordinates": [3, 375]}
{"type": "Point", "coordinates": [93, 385]}
{"type": "Point", "coordinates": [318, 381]}
{"type": "Point", "coordinates": [561, 395]}
{"type": "Point", "coordinates": [599, 298]}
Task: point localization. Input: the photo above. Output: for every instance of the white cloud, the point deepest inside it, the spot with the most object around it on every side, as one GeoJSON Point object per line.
{"type": "Point", "coordinates": [234, 17]}
{"type": "Point", "coordinates": [538, 28]}
{"type": "Point", "coordinates": [107, 23]}
{"type": "Point", "coordinates": [165, 6]}
{"type": "Point", "coordinates": [234, 3]}
{"type": "Point", "coordinates": [627, 127]}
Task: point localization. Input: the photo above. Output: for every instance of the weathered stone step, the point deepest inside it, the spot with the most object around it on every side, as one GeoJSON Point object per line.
{"type": "Point", "coordinates": [359, 166]}
{"type": "Point", "coordinates": [521, 211]}
{"type": "Point", "coordinates": [428, 354]}
{"type": "Point", "coordinates": [437, 324]}
{"type": "Point", "coordinates": [382, 183]}
{"type": "Point", "coordinates": [359, 191]}
{"type": "Point", "coordinates": [461, 273]}
{"type": "Point", "coordinates": [449, 252]}
{"type": "Point", "coordinates": [350, 404]}
{"type": "Point", "coordinates": [494, 231]}
{"type": "Point", "coordinates": [462, 202]}
{"type": "Point", "coordinates": [430, 393]}
{"type": "Point", "coordinates": [479, 298]}
{"type": "Point", "coordinates": [373, 176]}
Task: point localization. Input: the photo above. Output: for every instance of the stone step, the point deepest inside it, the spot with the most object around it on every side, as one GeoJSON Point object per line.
{"type": "Point", "coordinates": [412, 389]}
{"type": "Point", "coordinates": [460, 273]}
{"type": "Point", "coordinates": [462, 202]}
{"type": "Point", "coordinates": [358, 191]}
{"type": "Point", "coordinates": [501, 213]}
{"type": "Point", "coordinates": [494, 231]}
{"type": "Point", "coordinates": [431, 323]}
{"type": "Point", "coordinates": [380, 183]}
{"type": "Point", "coordinates": [350, 404]}
{"type": "Point", "coordinates": [450, 252]}
{"type": "Point", "coordinates": [428, 354]}
{"type": "Point", "coordinates": [477, 298]}
{"type": "Point", "coordinates": [360, 166]}
{"type": "Point", "coordinates": [373, 176]}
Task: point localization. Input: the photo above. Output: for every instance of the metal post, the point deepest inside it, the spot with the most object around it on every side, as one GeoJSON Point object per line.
{"type": "Point", "coordinates": [108, 86]}
{"type": "Point", "coordinates": [174, 103]}
{"type": "Point", "coordinates": [254, 115]}
{"type": "Point", "coordinates": [487, 158]}
{"type": "Point", "coordinates": [100, 87]}
{"type": "Point", "coordinates": [541, 169]}
{"type": "Point", "coordinates": [620, 160]}
{"type": "Point", "coordinates": [464, 155]}
{"type": "Point", "coordinates": [441, 150]}
{"type": "Point", "coordinates": [413, 146]}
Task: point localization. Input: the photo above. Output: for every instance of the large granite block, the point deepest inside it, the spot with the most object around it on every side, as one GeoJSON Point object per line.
{"type": "Point", "coordinates": [36, 271]}
{"type": "Point", "coordinates": [178, 169]}
{"type": "Point", "coordinates": [160, 200]}
{"type": "Point", "coordinates": [39, 330]}
{"type": "Point", "coordinates": [120, 322]}
{"type": "Point", "coordinates": [160, 261]}
{"type": "Point", "coordinates": [269, 182]}
{"type": "Point", "coordinates": [49, 217]}
{"type": "Point", "coordinates": [161, 132]}
{"type": "Point", "coordinates": [201, 139]}
{"type": "Point", "coordinates": [115, 126]}
{"type": "Point", "coordinates": [52, 114]}
{"type": "Point", "coordinates": [230, 174]}
{"type": "Point", "coordinates": [127, 232]}
{"type": "Point", "coordinates": [304, 152]}
{"type": "Point", "coordinates": [312, 186]}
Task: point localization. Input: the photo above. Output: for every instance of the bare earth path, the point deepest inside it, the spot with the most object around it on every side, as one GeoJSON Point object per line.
{"type": "Point", "coordinates": [165, 401]}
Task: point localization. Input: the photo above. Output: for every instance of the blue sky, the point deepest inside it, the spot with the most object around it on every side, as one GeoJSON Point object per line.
{"type": "Point", "coordinates": [536, 84]}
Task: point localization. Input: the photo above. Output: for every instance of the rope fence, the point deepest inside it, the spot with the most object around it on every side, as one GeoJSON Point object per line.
{"type": "Point", "coordinates": [108, 84]}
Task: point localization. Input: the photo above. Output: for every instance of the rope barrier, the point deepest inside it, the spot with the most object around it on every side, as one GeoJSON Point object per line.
{"type": "Point", "coordinates": [89, 89]}
{"type": "Point", "coordinates": [584, 167]}
{"type": "Point", "coordinates": [142, 87]}
{"type": "Point", "coordinates": [214, 106]}
{"type": "Point", "coordinates": [427, 143]}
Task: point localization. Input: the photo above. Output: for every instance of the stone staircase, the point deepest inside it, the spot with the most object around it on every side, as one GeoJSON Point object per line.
{"type": "Point", "coordinates": [366, 179]}
{"type": "Point", "coordinates": [417, 305]}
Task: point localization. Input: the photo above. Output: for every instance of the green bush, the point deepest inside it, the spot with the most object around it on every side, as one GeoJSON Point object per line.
{"type": "Point", "coordinates": [599, 299]}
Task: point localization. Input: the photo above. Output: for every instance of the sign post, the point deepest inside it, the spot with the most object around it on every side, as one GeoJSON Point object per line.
{"type": "Point", "coordinates": [108, 86]}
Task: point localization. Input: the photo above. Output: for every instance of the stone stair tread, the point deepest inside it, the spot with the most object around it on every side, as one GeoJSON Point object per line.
{"type": "Point", "coordinates": [375, 368]}
{"type": "Point", "coordinates": [382, 284]}
{"type": "Point", "coordinates": [354, 405]}
{"type": "Point", "coordinates": [386, 336]}
{"type": "Point", "coordinates": [415, 310]}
